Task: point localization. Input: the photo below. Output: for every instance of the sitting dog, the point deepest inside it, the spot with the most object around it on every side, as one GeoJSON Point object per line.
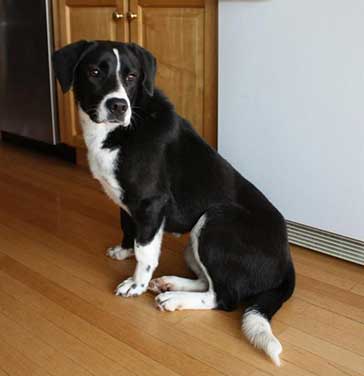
{"type": "Point", "coordinates": [164, 177]}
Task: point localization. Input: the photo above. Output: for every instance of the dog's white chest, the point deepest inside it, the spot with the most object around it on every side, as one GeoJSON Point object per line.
{"type": "Point", "coordinates": [102, 164]}
{"type": "Point", "coordinates": [102, 160]}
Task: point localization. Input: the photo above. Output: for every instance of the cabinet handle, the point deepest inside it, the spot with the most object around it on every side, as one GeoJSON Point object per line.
{"type": "Point", "coordinates": [117, 16]}
{"type": "Point", "coordinates": [131, 16]}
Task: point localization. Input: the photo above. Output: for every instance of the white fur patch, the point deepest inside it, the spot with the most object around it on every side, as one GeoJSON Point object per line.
{"type": "Point", "coordinates": [258, 331]}
{"type": "Point", "coordinates": [172, 283]}
{"type": "Point", "coordinates": [118, 93]}
{"type": "Point", "coordinates": [195, 234]}
{"type": "Point", "coordinates": [102, 161]}
{"type": "Point", "coordinates": [147, 257]}
{"type": "Point", "coordinates": [178, 300]}
{"type": "Point", "coordinates": [119, 253]}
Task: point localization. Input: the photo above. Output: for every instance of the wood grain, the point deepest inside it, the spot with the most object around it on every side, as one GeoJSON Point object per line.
{"type": "Point", "coordinates": [358, 289]}
{"type": "Point", "coordinates": [58, 314]}
{"type": "Point", "coordinates": [24, 341]}
{"type": "Point", "coordinates": [15, 363]}
{"type": "Point", "coordinates": [183, 37]}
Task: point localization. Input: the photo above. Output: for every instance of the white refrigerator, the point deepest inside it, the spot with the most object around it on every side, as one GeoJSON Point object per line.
{"type": "Point", "coordinates": [291, 113]}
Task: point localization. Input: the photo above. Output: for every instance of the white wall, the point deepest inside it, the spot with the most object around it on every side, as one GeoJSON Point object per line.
{"type": "Point", "coordinates": [291, 105]}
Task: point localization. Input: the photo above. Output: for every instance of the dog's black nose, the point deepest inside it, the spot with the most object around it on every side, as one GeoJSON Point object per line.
{"type": "Point", "coordinates": [117, 106]}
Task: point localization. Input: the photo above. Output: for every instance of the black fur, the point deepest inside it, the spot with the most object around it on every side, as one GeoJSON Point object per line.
{"type": "Point", "coordinates": [168, 171]}
{"type": "Point", "coordinates": [66, 61]}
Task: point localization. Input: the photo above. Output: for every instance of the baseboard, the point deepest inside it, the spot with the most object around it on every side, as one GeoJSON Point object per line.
{"type": "Point", "coordinates": [326, 242]}
{"type": "Point", "coordinates": [61, 151]}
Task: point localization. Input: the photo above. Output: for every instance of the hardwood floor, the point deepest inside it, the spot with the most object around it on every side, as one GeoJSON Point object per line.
{"type": "Point", "coordinates": [58, 314]}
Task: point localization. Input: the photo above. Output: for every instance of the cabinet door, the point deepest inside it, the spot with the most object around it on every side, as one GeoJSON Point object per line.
{"type": "Point", "coordinates": [84, 19]}
{"type": "Point", "coordinates": [182, 36]}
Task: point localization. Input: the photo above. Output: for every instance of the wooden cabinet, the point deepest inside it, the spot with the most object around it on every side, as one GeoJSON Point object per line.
{"type": "Point", "coordinates": [182, 34]}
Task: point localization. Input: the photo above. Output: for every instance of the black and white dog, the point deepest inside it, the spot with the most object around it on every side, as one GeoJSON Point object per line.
{"type": "Point", "coordinates": [164, 177]}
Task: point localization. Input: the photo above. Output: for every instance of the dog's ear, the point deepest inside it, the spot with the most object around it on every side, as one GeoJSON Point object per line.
{"type": "Point", "coordinates": [66, 59]}
{"type": "Point", "coordinates": [149, 67]}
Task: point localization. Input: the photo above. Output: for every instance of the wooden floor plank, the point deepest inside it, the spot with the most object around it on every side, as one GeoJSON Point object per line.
{"type": "Point", "coordinates": [345, 303]}
{"type": "Point", "coordinates": [57, 217]}
{"type": "Point", "coordinates": [259, 373]}
{"type": "Point", "coordinates": [326, 350]}
{"type": "Point", "coordinates": [82, 330]}
{"type": "Point", "coordinates": [309, 269]}
{"type": "Point", "coordinates": [41, 353]}
{"type": "Point", "coordinates": [15, 363]}
{"type": "Point", "coordinates": [89, 359]}
{"type": "Point", "coordinates": [313, 363]}
{"type": "Point", "coordinates": [327, 269]}
{"type": "Point", "coordinates": [358, 288]}
{"type": "Point", "coordinates": [326, 325]}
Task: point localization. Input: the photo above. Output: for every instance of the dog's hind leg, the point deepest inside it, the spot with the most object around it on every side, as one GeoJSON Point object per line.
{"type": "Point", "coordinates": [172, 283]}
{"type": "Point", "coordinates": [178, 300]}
{"type": "Point", "coordinates": [187, 293]}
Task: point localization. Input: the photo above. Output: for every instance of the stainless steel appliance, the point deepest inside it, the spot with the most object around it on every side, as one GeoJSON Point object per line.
{"type": "Point", "coordinates": [27, 94]}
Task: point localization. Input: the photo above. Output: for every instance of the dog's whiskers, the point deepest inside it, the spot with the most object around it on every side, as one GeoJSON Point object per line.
{"type": "Point", "coordinates": [138, 116]}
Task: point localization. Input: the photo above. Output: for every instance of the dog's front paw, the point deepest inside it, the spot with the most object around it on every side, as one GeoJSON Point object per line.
{"type": "Point", "coordinates": [130, 288]}
{"type": "Point", "coordinates": [119, 253]}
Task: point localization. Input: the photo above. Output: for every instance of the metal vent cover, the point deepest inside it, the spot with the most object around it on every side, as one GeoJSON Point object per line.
{"type": "Point", "coordinates": [326, 242]}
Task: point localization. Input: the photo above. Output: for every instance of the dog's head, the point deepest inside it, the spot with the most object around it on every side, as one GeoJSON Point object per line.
{"type": "Point", "coordinates": [106, 77]}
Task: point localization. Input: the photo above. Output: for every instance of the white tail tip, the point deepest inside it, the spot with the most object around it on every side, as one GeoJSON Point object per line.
{"type": "Point", "coordinates": [258, 331]}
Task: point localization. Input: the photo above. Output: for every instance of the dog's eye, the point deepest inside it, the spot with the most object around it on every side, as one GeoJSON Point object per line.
{"type": "Point", "coordinates": [131, 77]}
{"type": "Point", "coordinates": [94, 72]}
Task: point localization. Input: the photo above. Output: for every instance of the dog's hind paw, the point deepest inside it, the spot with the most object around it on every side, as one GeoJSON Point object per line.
{"type": "Point", "coordinates": [159, 285]}
{"type": "Point", "coordinates": [176, 300]}
{"type": "Point", "coordinates": [119, 253]}
{"type": "Point", "coordinates": [169, 301]}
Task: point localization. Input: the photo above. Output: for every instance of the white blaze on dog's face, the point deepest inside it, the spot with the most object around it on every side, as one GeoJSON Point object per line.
{"type": "Point", "coordinates": [115, 107]}
{"type": "Point", "coordinates": [106, 77]}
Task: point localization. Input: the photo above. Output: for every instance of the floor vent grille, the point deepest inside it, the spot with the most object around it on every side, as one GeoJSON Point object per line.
{"type": "Point", "coordinates": [326, 242]}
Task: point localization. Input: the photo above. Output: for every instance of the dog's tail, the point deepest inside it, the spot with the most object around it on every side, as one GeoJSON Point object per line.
{"type": "Point", "coordinates": [259, 311]}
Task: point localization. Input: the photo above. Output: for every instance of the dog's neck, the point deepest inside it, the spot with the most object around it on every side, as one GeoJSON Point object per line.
{"type": "Point", "coordinates": [94, 133]}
